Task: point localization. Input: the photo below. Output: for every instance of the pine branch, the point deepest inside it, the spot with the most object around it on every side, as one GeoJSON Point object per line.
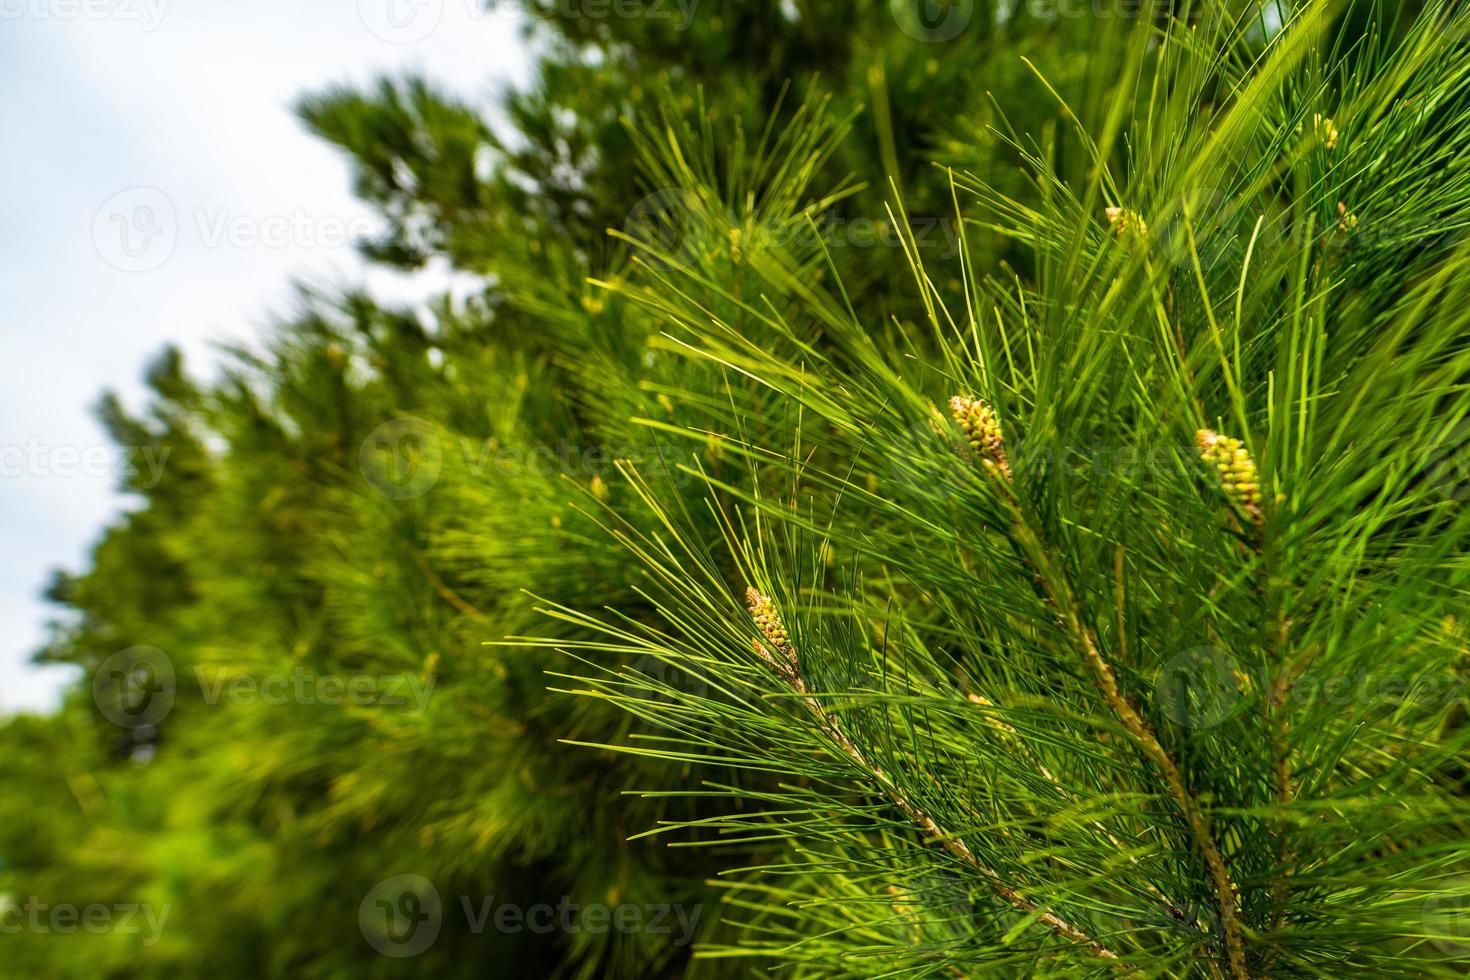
{"type": "Point", "coordinates": [787, 667]}
{"type": "Point", "coordinates": [1011, 735]}
{"type": "Point", "coordinates": [1059, 591]}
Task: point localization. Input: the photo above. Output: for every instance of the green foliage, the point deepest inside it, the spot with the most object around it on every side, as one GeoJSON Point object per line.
{"type": "Point", "coordinates": [675, 578]}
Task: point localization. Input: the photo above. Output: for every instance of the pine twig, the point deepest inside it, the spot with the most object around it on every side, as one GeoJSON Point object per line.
{"type": "Point", "coordinates": [1197, 820]}
{"type": "Point", "coordinates": [785, 663]}
{"type": "Point", "coordinates": [1012, 736]}
{"type": "Point", "coordinates": [1059, 591]}
{"type": "Point", "coordinates": [1241, 483]}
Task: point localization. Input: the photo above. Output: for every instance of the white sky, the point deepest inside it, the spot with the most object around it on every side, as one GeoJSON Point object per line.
{"type": "Point", "coordinates": [169, 123]}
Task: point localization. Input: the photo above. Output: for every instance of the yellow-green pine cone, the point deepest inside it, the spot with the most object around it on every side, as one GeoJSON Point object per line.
{"type": "Point", "coordinates": [981, 427]}
{"type": "Point", "coordinates": [1127, 226]}
{"type": "Point", "coordinates": [1237, 471]}
{"type": "Point", "coordinates": [763, 611]}
{"type": "Point", "coordinates": [1326, 131]}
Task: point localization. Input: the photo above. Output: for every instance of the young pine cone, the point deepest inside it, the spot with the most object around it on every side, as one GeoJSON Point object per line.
{"type": "Point", "coordinates": [1326, 131]}
{"type": "Point", "coordinates": [1237, 471]}
{"type": "Point", "coordinates": [1127, 226]}
{"type": "Point", "coordinates": [777, 649]}
{"type": "Point", "coordinates": [981, 427]}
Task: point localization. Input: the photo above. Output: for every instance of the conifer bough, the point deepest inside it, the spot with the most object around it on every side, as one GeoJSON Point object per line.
{"type": "Point", "coordinates": [983, 426]}
{"type": "Point", "coordinates": [763, 611]}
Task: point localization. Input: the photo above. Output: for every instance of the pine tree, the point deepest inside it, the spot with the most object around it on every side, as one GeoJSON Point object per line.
{"type": "Point", "coordinates": [1106, 620]}
{"type": "Point", "coordinates": [990, 500]}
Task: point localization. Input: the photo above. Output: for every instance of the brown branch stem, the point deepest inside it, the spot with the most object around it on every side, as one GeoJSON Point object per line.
{"type": "Point", "coordinates": [1060, 592]}
{"type": "Point", "coordinates": [787, 668]}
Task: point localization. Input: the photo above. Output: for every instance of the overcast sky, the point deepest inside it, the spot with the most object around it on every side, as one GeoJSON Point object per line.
{"type": "Point", "coordinates": [155, 187]}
